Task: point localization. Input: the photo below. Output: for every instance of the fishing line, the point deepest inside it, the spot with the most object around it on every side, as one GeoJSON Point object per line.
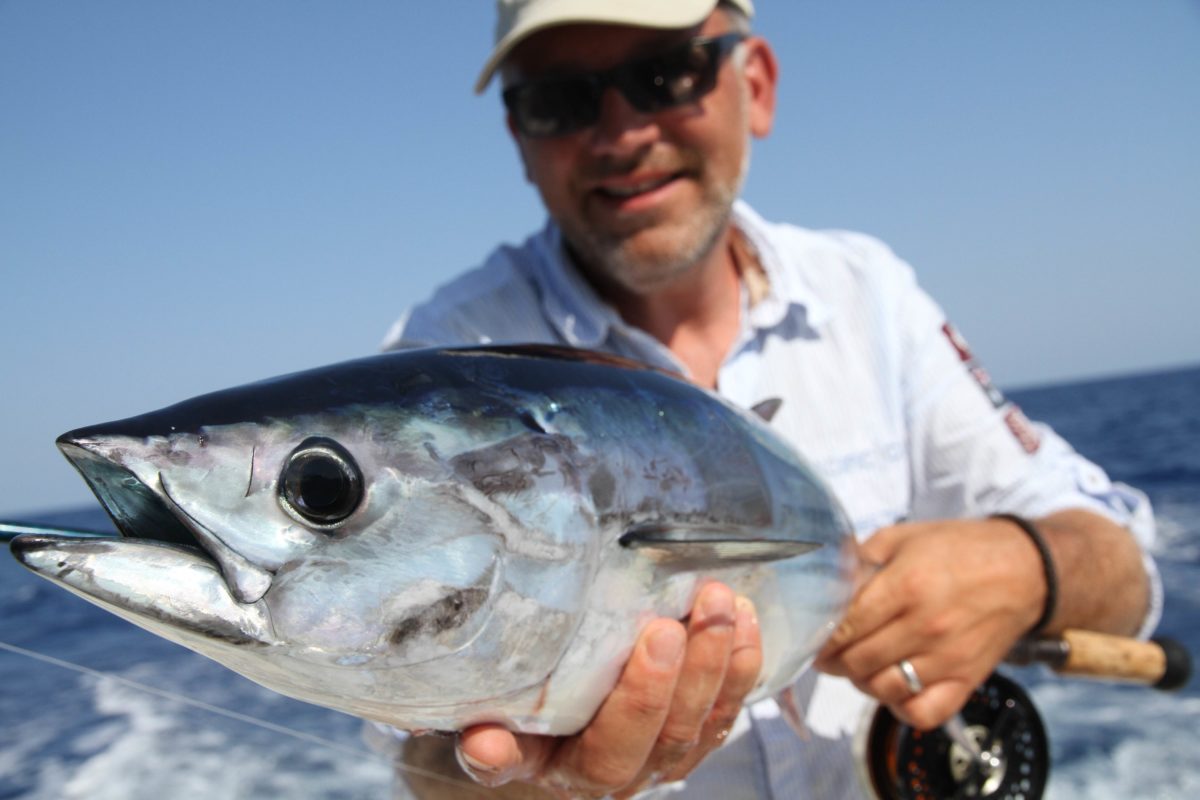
{"type": "Point", "coordinates": [234, 715]}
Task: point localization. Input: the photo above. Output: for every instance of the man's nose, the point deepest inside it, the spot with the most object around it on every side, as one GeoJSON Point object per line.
{"type": "Point", "coordinates": [621, 128]}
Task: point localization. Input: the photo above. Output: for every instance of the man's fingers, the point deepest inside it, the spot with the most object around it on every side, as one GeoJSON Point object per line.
{"type": "Point", "coordinates": [869, 654]}
{"type": "Point", "coordinates": [745, 663]}
{"type": "Point", "coordinates": [935, 705]}
{"type": "Point", "coordinates": [873, 607]}
{"type": "Point", "coordinates": [881, 547]}
{"type": "Point", "coordinates": [879, 600]}
{"type": "Point", "coordinates": [890, 686]}
{"type": "Point", "coordinates": [609, 754]}
{"type": "Point", "coordinates": [710, 643]}
{"type": "Point", "coordinates": [493, 755]}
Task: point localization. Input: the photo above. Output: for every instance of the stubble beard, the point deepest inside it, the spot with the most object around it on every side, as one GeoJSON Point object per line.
{"type": "Point", "coordinates": [617, 257]}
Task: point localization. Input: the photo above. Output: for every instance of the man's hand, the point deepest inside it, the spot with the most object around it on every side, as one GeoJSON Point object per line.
{"type": "Point", "coordinates": [675, 702]}
{"type": "Point", "coordinates": [951, 597]}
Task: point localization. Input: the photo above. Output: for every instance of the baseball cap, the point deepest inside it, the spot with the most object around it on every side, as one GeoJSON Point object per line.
{"type": "Point", "coordinates": [517, 19]}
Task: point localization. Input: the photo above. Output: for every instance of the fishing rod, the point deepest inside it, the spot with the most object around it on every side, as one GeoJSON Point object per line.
{"type": "Point", "coordinates": [11, 530]}
{"type": "Point", "coordinates": [996, 746]}
{"type": "Point", "coordinates": [1160, 663]}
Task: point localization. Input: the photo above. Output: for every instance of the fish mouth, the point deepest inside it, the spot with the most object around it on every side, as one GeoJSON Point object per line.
{"type": "Point", "coordinates": [174, 580]}
{"type": "Point", "coordinates": [128, 578]}
{"type": "Point", "coordinates": [149, 513]}
{"type": "Point", "coordinates": [137, 510]}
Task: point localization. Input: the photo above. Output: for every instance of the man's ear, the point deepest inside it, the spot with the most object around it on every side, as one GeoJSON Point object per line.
{"type": "Point", "coordinates": [516, 137]}
{"type": "Point", "coordinates": [761, 72]}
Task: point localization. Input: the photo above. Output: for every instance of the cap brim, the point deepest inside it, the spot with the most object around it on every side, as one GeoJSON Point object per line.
{"type": "Point", "coordinates": [635, 13]}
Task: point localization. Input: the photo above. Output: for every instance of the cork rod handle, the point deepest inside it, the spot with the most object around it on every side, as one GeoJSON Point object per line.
{"type": "Point", "coordinates": [1161, 663]}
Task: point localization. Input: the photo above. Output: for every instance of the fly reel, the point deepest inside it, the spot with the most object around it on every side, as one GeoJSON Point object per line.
{"type": "Point", "coordinates": [1011, 762]}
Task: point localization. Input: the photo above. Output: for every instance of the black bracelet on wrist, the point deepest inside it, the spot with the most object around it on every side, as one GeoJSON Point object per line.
{"type": "Point", "coordinates": [1047, 566]}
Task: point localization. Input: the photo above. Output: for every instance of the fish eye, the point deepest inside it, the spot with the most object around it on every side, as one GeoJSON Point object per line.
{"type": "Point", "coordinates": [320, 484]}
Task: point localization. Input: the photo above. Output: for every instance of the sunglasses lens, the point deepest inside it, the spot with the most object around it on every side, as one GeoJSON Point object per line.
{"type": "Point", "coordinates": [553, 108]}
{"type": "Point", "coordinates": [675, 78]}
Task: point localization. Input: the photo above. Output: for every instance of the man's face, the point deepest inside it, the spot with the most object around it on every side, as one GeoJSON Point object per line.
{"type": "Point", "coordinates": [643, 196]}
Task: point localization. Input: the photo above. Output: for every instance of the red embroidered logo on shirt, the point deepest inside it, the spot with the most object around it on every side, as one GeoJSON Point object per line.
{"type": "Point", "coordinates": [959, 343]}
{"type": "Point", "coordinates": [974, 367]}
{"type": "Point", "coordinates": [1023, 429]}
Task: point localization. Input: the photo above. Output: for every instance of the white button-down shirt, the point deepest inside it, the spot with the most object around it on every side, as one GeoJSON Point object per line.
{"type": "Point", "coordinates": [879, 392]}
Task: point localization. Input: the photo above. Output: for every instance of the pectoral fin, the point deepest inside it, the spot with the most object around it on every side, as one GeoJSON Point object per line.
{"type": "Point", "coordinates": [691, 547]}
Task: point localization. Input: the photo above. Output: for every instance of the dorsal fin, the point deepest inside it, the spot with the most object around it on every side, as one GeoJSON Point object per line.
{"type": "Point", "coordinates": [556, 352]}
{"type": "Point", "coordinates": [766, 409]}
{"type": "Point", "coordinates": [696, 547]}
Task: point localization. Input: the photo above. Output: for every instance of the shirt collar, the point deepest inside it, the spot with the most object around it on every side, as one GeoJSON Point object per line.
{"type": "Point", "coordinates": [583, 319]}
{"type": "Point", "coordinates": [789, 293]}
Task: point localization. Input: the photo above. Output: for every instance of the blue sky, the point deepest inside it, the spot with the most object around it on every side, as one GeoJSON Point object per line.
{"type": "Point", "coordinates": [196, 194]}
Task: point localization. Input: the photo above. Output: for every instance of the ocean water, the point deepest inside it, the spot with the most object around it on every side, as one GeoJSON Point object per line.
{"type": "Point", "coordinates": [116, 733]}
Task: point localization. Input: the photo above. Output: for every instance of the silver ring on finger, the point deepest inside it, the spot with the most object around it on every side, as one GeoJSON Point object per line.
{"type": "Point", "coordinates": [911, 679]}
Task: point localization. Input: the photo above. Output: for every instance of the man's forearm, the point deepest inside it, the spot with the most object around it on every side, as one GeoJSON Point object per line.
{"type": "Point", "coordinates": [1102, 580]}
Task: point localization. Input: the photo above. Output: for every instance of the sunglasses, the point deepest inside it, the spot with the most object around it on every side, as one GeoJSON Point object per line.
{"type": "Point", "coordinates": [560, 105]}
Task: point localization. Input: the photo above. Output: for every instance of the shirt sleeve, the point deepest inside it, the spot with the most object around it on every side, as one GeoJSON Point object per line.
{"type": "Point", "coordinates": [975, 453]}
{"type": "Point", "coordinates": [496, 303]}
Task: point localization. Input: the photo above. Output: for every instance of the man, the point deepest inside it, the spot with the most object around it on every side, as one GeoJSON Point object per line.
{"type": "Point", "coordinates": [634, 121]}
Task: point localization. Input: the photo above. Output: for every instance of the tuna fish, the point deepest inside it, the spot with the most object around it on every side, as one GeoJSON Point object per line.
{"type": "Point", "coordinates": [437, 538]}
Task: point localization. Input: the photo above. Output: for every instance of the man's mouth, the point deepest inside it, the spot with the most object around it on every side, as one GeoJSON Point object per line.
{"type": "Point", "coordinates": [628, 188]}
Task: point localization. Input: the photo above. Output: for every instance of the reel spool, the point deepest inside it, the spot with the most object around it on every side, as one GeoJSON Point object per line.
{"type": "Point", "coordinates": [903, 763]}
